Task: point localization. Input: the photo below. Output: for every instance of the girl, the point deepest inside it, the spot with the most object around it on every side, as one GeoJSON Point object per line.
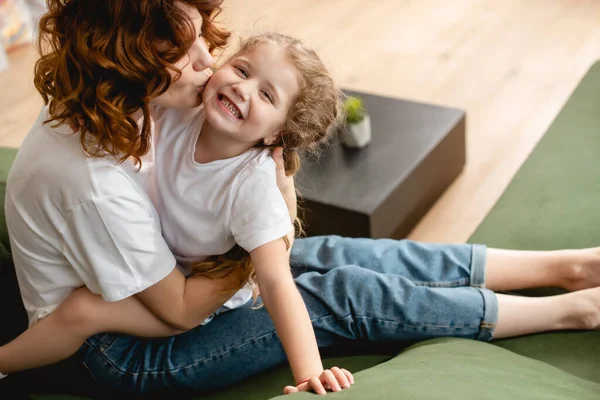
{"type": "Point", "coordinates": [68, 228]}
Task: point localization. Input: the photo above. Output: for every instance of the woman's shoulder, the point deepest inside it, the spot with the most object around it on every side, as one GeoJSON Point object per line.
{"type": "Point", "coordinates": [174, 116]}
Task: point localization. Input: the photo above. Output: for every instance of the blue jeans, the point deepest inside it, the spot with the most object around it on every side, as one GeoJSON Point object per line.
{"type": "Point", "coordinates": [379, 290]}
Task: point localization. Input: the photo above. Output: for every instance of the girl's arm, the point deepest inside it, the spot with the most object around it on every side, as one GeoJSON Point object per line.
{"type": "Point", "coordinates": [79, 316]}
{"type": "Point", "coordinates": [290, 316]}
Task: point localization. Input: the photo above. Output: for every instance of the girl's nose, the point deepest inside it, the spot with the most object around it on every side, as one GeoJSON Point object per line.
{"type": "Point", "coordinates": [242, 90]}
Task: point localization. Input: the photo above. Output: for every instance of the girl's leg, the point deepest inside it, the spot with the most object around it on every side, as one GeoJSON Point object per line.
{"type": "Point", "coordinates": [80, 316]}
{"type": "Point", "coordinates": [449, 265]}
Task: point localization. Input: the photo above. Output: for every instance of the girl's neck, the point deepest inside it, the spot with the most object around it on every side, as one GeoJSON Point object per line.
{"type": "Point", "coordinates": [213, 145]}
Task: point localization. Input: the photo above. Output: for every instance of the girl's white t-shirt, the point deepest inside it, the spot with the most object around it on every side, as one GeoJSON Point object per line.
{"type": "Point", "coordinates": [205, 209]}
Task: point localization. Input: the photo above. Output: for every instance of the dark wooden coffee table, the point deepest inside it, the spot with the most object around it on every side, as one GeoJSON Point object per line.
{"type": "Point", "coordinates": [384, 189]}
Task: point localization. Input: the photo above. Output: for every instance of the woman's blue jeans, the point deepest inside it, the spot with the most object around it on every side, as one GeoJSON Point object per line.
{"type": "Point", "coordinates": [377, 290]}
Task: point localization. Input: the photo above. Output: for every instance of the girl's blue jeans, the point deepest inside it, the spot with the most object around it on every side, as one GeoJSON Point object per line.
{"type": "Point", "coordinates": [377, 290]}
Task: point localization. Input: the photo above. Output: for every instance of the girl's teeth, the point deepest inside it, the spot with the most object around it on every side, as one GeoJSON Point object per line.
{"type": "Point", "coordinates": [230, 107]}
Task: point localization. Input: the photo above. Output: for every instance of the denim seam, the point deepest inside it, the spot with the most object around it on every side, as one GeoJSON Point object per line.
{"type": "Point", "coordinates": [412, 326]}
{"type": "Point", "coordinates": [398, 323]}
{"type": "Point", "coordinates": [486, 331]}
{"type": "Point", "coordinates": [442, 284]}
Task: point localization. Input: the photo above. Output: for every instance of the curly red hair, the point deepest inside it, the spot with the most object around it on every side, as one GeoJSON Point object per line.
{"type": "Point", "coordinates": [99, 63]}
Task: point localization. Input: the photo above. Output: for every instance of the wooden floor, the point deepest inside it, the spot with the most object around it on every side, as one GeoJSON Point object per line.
{"type": "Point", "coordinates": [510, 64]}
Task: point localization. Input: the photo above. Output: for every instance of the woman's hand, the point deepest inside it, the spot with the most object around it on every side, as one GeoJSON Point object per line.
{"type": "Point", "coordinates": [334, 379]}
{"type": "Point", "coordinates": [285, 183]}
{"type": "Point", "coordinates": [286, 186]}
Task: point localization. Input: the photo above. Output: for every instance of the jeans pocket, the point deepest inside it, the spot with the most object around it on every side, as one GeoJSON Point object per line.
{"type": "Point", "coordinates": [98, 362]}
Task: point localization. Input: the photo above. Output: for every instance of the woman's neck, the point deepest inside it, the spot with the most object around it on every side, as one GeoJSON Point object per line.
{"type": "Point", "coordinates": [213, 145]}
{"type": "Point", "coordinates": [137, 115]}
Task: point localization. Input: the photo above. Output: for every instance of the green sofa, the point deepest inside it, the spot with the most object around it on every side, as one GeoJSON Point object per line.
{"type": "Point", "coordinates": [553, 202]}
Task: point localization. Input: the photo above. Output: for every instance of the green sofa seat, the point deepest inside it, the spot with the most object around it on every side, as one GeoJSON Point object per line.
{"type": "Point", "coordinates": [553, 202]}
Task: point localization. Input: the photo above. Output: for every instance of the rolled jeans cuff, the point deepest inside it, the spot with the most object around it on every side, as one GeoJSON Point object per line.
{"type": "Point", "coordinates": [478, 264]}
{"type": "Point", "coordinates": [490, 315]}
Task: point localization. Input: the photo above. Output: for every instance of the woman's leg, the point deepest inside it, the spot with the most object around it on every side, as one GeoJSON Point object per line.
{"type": "Point", "coordinates": [435, 265]}
{"type": "Point", "coordinates": [348, 302]}
{"type": "Point", "coordinates": [64, 331]}
{"type": "Point", "coordinates": [451, 265]}
{"type": "Point", "coordinates": [520, 315]}
{"type": "Point", "coordinates": [568, 269]}
{"type": "Point", "coordinates": [442, 265]}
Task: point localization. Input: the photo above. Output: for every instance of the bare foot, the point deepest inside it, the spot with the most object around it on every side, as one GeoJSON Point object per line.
{"type": "Point", "coordinates": [584, 272]}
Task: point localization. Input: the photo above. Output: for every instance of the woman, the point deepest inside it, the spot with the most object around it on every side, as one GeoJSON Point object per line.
{"type": "Point", "coordinates": [78, 215]}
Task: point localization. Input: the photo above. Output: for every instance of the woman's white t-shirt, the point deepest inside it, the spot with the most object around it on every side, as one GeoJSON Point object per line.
{"type": "Point", "coordinates": [75, 220]}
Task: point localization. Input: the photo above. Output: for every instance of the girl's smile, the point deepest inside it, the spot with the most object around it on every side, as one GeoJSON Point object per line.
{"type": "Point", "coordinates": [247, 101]}
{"type": "Point", "coordinates": [228, 106]}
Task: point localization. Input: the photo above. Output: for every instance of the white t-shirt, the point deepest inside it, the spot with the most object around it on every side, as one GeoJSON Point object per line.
{"type": "Point", "coordinates": [75, 220]}
{"type": "Point", "coordinates": [205, 209]}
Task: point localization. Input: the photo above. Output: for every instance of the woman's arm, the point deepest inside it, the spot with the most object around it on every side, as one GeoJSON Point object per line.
{"type": "Point", "coordinates": [288, 189]}
{"type": "Point", "coordinates": [184, 303]}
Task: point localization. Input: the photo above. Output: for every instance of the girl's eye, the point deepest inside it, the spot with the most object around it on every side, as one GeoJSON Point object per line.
{"type": "Point", "coordinates": [242, 71]}
{"type": "Point", "coordinates": [267, 96]}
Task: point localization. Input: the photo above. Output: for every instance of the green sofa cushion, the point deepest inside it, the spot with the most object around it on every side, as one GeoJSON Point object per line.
{"type": "Point", "coordinates": [449, 368]}
{"type": "Point", "coordinates": [553, 202]}
{"type": "Point", "coordinates": [443, 368]}
{"type": "Point", "coordinates": [10, 297]}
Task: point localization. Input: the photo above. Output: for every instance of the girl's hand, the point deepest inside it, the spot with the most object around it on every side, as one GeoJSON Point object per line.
{"type": "Point", "coordinates": [334, 379]}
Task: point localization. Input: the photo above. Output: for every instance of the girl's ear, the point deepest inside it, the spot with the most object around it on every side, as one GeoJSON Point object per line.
{"type": "Point", "coordinates": [272, 140]}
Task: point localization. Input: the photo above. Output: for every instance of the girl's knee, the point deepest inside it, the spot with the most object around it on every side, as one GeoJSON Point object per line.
{"type": "Point", "coordinates": [77, 310]}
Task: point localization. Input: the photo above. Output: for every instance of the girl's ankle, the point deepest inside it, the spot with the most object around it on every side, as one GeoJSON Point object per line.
{"type": "Point", "coordinates": [585, 314]}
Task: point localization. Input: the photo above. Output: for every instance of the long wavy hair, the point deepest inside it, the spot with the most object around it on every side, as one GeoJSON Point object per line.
{"type": "Point", "coordinates": [311, 119]}
{"type": "Point", "coordinates": [99, 64]}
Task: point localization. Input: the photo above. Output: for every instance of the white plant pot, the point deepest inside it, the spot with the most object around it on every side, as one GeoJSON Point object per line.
{"type": "Point", "coordinates": [357, 135]}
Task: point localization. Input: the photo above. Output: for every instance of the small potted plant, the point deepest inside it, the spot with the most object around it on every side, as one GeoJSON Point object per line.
{"type": "Point", "coordinates": [357, 131]}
